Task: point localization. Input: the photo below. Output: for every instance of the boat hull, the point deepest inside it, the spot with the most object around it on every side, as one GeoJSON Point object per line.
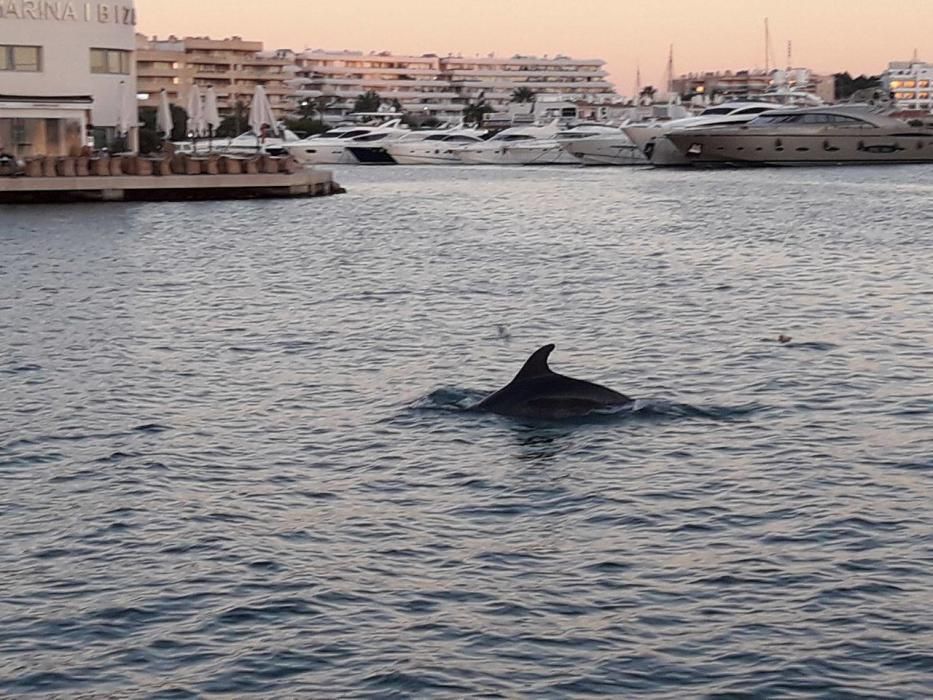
{"type": "Point", "coordinates": [787, 147]}
{"type": "Point", "coordinates": [371, 155]}
{"type": "Point", "coordinates": [515, 155]}
{"type": "Point", "coordinates": [616, 151]}
{"type": "Point", "coordinates": [424, 155]}
{"type": "Point", "coordinates": [322, 154]}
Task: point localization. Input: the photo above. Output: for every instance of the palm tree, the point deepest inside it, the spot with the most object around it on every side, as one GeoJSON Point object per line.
{"type": "Point", "coordinates": [369, 101]}
{"type": "Point", "coordinates": [523, 94]}
{"type": "Point", "coordinates": [475, 113]}
{"type": "Point", "coordinates": [647, 94]}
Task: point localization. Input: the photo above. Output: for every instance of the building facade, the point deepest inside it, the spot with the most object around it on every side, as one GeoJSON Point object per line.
{"type": "Point", "coordinates": [748, 84]}
{"type": "Point", "coordinates": [911, 84]}
{"type": "Point", "coordinates": [443, 86]}
{"type": "Point", "coordinates": [66, 71]}
{"type": "Point", "coordinates": [234, 67]}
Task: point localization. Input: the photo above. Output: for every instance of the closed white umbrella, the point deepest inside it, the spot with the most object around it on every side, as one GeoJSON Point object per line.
{"type": "Point", "coordinates": [164, 123]}
{"type": "Point", "coordinates": [195, 111]}
{"type": "Point", "coordinates": [211, 113]}
{"type": "Point", "coordinates": [260, 112]}
{"type": "Point", "coordinates": [127, 118]}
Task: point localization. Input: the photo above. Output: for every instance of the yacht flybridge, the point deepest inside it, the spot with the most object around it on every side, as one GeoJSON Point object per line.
{"type": "Point", "coordinates": [841, 135]}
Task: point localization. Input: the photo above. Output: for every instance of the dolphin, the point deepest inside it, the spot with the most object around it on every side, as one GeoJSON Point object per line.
{"type": "Point", "coordinates": [537, 392]}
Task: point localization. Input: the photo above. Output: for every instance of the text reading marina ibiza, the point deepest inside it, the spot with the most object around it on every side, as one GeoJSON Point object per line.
{"type": "Point", "coordinates": [105, 13]}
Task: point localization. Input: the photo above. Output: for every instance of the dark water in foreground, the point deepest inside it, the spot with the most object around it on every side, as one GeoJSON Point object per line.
{"type": "Point", "coordinates": [232, 457]}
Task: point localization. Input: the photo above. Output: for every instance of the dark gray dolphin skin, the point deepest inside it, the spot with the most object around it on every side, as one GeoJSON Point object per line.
{"type": "Point", "coordinates": [537, 392]}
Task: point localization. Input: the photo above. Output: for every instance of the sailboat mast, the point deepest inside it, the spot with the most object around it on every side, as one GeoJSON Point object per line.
{"type": "Point", "coordinates": [767, 47]}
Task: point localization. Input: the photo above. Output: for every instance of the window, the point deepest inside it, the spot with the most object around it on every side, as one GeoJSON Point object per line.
{"type": "Point", "coordinates": [27, 59]}
{"type": "Point", "coordinates": [110, 61]}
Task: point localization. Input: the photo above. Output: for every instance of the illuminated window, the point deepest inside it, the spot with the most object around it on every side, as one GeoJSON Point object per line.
{"type": "Point", "coordinates": [110, 61]}
{"type": "Point", "coordinates": [27, 59]}
{"type": "Point", "coordinates": [923, 83]}
{"type": "Point", "coordinates": [910, 83]}
{"type": "Point", "coordinates": [895, 84]}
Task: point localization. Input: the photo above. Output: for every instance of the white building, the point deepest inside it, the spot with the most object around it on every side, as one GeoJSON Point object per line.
{"type": "Point", "coordinates": [334, 79]}
{"type": "Point", "coordinates": [443, 86]}
{"type": "Point", "coordinates": [61, 68]}
{"type": "Point", "coordinates": [494, 79]}
{"type": "Point", "coordinates": [911, 83]}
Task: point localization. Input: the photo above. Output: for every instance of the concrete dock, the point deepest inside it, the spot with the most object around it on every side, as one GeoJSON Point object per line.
{"type": "Point", "coordinates": [178, 178]}
{"type": "Point", "coordinates": [117, 188]}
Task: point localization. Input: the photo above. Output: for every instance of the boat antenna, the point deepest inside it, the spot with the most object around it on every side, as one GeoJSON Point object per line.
{"type": "Point", "coordinates": [670, 71]}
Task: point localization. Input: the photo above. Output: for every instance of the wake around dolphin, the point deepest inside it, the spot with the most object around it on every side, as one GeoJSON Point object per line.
{"type": "Point", "coordinates": [537, 392]}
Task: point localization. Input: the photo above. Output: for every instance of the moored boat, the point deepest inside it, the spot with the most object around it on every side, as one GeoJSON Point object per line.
{"type": "Point", "coordinates": [840, 135]}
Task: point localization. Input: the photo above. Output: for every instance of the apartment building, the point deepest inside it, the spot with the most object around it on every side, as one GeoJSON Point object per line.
{"type": "Point", "coordinates": [443, 86]}
{"type": "Point", "coordinates": [494, 79]}
{"type": "Point", "coordinates": [336, 78]}
{"type": "Point", "coordinates": [911, 84]}
{"type": "Point", "coordinates": [234, 67]}
{"type": "Point", "coordinates": [429, 84]}
{"type": "Point", "coordinates": [744, 84]}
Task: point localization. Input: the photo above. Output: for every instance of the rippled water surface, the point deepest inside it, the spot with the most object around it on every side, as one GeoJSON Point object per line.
{"type": "Point", "coordinates": [234, 457]}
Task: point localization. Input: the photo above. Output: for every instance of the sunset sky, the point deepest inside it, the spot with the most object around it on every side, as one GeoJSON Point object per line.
{"type": "Point", "coordinates": [827, 36]}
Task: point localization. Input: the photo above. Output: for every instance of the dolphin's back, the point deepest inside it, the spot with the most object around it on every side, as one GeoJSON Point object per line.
{"type": "Point", "coordinates": [537, 392]}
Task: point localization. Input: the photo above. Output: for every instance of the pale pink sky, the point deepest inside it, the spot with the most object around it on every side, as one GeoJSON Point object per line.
{"type": "Point", "coordinates": [828, 36]}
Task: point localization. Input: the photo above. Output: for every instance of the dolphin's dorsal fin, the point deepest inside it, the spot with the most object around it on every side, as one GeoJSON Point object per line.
{"type": "Point", "coordinates": [536, 366]}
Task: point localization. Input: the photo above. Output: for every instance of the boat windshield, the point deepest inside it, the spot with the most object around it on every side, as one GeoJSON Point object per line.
{"type": "Point", "coordinates": [516, 137]}
{"type": "Point", "coordinates": [835, 119]}
{"type": "Point", "coordinates": [461, 138]}
{"type": "Point", "coordinates": [753, 110]}
{"type": "Point", "coordinates": [353, 133]}
{"type": "Point", "coordinates": [713, 111]}
{"type": "Point", "coordinates": [371, 137]}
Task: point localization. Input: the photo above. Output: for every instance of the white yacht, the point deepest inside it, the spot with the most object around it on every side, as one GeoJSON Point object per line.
{"type": "Point", "coordinates": [246, 144]}
{"type": "Point", "coordinates": [519, 145]}
{"type": "Point", "coordinates": [840, 135]}
{"type": "Point", "coordinates": [433, 147]}
{"type": "Point", "coordinates": [334, 147]}
{"type": "Point", "coordinates": [243, 145]}
{"type": "Point", "coordinates": [650, 138]}
{"type": "Point", "coordinates": [601, 145]}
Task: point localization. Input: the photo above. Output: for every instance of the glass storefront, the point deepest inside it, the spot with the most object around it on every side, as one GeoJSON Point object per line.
{"type": "Point", "coordinates": [24, 137]}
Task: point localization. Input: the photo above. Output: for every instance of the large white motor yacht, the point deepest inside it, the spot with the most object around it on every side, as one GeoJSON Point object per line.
{"type": "Point", "coordinates": [433, 147]}
{"type": "Point", "coordinates": [334, 147]}
{"type": "Point", "coordinates": [650, 138]}
{"type": "Point", "coordinates": [601, 145]}
{"type": "Point", "coordinates": [841, 135]}
{"type": "Point", "coordinates": [519, 145]}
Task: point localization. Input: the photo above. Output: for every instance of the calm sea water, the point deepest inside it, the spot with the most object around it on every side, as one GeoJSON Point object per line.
{"type": "Point", "coordinates": [234, 459]}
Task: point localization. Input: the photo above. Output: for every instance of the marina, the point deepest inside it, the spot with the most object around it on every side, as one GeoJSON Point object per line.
{"type": "Point", "coordinates": [592, 383]}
